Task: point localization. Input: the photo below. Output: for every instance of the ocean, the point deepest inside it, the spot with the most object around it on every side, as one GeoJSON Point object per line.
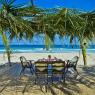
{"type": "Point", "coordinates": [41, 48]}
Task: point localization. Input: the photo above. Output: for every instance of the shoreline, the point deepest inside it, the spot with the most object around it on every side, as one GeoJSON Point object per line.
{"type": "Point", "coordinates": [89, 51]}
{"type": "Point", "coordinates": [35, 56]}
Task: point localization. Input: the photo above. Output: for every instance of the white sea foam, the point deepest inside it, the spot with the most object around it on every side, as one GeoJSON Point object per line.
{"type": "Point", "coordinates": [41, 50]}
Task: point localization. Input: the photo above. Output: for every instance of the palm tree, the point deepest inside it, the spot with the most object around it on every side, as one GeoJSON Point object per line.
{"type": "Point", "coordinates": [46, 24]}
{"type": "Point", "coordinates": [43, 27]}
{"type": "Point", "coordinates": [13, 24]}
{"type": "Point", "coordinates": [68, 22]}
{"type": "Point", "coordinates": [88, 32]}
{"type": "Point", "coordinates": [76, 24]}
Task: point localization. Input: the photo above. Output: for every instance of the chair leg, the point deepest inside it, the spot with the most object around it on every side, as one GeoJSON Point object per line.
{"type": "Point", "coordinates": [64, 73]}
{"type": "Point", "coordinates": [31, 71]}
{"type": "Point", "coordinates": [46, 88]}
{"type": "Point", "coordinates": [76, 71]}
{"type": "Point", "coordinates": [66, 70]}
{"type": "Point", "coordinates": [52, 78]}
{"type": "Point", "coordinates": [35, 80]}
{"type": "Point", "coordinates": [64, 78]}
{"type": "Point", "coordinates": [22, 71]}
{"type": "Point", "coordinates": [47, 79]}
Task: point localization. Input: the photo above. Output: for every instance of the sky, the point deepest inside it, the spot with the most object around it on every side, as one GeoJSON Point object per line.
{"type": "Point", "coordinates": [85, 5]}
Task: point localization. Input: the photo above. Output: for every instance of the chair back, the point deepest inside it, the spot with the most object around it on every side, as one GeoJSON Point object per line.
{"type": "Point", "coordinates": [59, 66]}
{"type": "Point", "coordinates": [40, 66]}
{"type": "Point", "coordinates": [74, 60]}
{"type": "Point", "coordinates": [23, 61]}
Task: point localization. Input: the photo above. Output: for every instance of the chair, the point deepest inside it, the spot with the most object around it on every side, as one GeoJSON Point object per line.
{"type": "Point", "coordinates": [58, 68]}
{"type": "Point", "coordinates": [41, 70]}
{"type": "Point", "coordinates": [73, 63]}
{"type": "Point", "coordinates": [25, 64]}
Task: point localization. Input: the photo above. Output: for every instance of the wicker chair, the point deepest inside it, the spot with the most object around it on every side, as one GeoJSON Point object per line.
{"type": "Point", "coordinates": [58, 68]}
{"type": "Point", "coordinates": [41, 70]}
{"type": "Point", "coordinates": [73, 64]}
{"type": "Point", "coordinates": [25, 64]}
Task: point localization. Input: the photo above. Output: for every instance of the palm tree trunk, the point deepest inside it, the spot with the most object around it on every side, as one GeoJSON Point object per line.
{"type": "Point", "coordinates": [7, 47]}
{"type": "Point", "coordinates": [9, 61]}
{"type": "Point", "coordinates": [9, 57]}
{"type": "Point", "coordinates": [32, 2]}
{"type": "Point", "coordinates": [84, 55]}
{"type": "Point", "coordinates": [48, 42]}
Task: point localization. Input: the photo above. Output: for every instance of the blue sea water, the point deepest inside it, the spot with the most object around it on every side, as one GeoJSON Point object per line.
{"type": "Point", "coordinates": [41, 48]}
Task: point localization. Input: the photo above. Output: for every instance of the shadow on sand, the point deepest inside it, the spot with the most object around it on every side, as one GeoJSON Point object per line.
{"type": "Point", "coordinates": [11, 82]}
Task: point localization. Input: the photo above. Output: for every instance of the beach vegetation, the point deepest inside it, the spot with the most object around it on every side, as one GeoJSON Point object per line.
{"type": "Point", "coordinates": [12, 24]}
{"type": "Point", "coordinates": [74, 24]}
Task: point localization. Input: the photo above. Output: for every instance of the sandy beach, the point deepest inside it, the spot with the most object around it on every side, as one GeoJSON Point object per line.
{"type": "Point", "coordinates": [36, 56]}
{"type": "Point", "coordinates": [10, 84]}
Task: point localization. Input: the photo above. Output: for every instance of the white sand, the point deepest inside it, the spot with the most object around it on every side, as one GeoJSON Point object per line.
{"type": "Point", "coordinates": [36, 56]}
